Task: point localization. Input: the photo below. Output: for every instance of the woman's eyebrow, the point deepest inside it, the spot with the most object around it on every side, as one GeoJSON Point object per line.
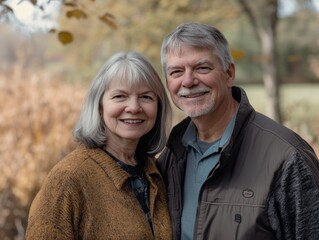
{"type": "Point", "coordinates": [148, 92]}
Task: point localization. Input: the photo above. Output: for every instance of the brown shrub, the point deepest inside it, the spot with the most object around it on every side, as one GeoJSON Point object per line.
{"type": "Point", "coordinates": [37, 117]}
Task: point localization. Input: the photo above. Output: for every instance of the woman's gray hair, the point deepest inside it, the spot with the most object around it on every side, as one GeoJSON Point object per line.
{"type": "Point", "coordinates": [131, 69]}
{"type": "Point", "coordinates": [199, 36]}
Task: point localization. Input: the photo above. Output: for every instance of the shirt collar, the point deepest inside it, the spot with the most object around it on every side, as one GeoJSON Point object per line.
{"type": "Point", "coordinates": [190, 135]}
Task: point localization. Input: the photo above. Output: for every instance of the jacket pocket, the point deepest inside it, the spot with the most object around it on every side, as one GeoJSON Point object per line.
{"type": "Point", "coordinates": [227, 220]}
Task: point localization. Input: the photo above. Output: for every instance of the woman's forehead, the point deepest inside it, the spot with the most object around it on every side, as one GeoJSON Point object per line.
{"type": "Point", "coordinates": [128, 85]}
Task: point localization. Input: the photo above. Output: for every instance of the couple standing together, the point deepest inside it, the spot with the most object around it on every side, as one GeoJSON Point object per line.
{"type": "Point", "coordinates": [225, 172]}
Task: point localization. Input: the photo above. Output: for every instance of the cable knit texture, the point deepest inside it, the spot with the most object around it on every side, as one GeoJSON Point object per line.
{"type": "Point", "coordinates": [286, 208]}
{"type": "Point", "coordinates": [88, 196]}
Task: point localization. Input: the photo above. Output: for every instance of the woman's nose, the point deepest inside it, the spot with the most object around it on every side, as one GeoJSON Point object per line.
{"type": "Point", "coordinates": [133, 105]}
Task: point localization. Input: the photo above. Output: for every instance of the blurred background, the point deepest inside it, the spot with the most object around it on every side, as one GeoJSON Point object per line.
{"type": "Point", "coordinates": [50, 50]}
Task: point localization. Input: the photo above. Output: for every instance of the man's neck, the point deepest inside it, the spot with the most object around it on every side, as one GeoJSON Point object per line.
{"type": "Point", "coordinates": [211, 126]}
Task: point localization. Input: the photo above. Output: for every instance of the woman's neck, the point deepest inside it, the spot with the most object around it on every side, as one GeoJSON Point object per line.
{"type": "Point", "coordinates": [124, 154]}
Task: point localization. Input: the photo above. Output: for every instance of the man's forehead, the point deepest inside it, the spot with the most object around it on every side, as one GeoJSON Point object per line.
{"type": "Point", "coordinates": [179, 50]}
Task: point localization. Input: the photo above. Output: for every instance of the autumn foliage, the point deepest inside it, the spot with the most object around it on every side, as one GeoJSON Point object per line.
{"type": "Point", "coordinates": [37, 117]}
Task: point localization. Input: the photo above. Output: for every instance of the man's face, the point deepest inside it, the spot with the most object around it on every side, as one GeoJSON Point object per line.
{"type": "Point", "coordinates": [196, 80]}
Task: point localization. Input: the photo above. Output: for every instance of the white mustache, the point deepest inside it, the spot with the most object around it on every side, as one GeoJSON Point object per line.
{"type": "Point", "coordinates": [186, 91]}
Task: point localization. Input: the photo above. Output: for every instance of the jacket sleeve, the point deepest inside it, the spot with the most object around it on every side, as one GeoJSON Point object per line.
{"type": "Point", "coordinates": [162, 162]}
{"type": "Point", "coordinates": [293, 205]}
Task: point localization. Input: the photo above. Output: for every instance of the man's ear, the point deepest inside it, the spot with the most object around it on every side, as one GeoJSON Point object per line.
{"type": "Point", "coordinates": [231, 74]}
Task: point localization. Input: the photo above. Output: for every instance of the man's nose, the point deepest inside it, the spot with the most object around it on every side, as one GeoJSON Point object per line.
{"type": "Point", "coordinates": [189, 79]}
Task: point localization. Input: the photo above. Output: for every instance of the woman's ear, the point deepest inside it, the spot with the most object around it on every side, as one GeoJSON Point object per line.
{"type": "Point", "coordinates": [101, 111]}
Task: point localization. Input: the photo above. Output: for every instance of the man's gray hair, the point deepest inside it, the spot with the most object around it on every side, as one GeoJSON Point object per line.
{"type": "Point", "coordinates": [200, 36]}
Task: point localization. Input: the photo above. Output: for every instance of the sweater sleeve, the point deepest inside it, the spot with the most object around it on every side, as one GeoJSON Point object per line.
{"type": "Point", "coordinates": [55, 210]}
{"type": "Point", "coordinates": [293, 204]}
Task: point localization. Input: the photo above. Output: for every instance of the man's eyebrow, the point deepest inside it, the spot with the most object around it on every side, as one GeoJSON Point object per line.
{"type": "Point", "coordinates": [200, 62]}
{"type": "Point", "coordinates": [205, 61]}
{"type": "Point", "coordinates": [172, 67]}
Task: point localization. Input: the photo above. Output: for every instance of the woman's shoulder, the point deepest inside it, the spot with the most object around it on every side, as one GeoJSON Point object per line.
{"type": "Point", "coordinates": [74, 163]}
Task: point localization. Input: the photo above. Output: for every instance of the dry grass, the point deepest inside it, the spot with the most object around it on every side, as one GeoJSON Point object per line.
{"type": "Point", "coordinates": [37, 117]}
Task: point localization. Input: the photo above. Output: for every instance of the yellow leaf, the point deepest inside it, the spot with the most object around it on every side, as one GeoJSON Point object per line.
{"type": "Point", "coordinates": [293, 58]}
{"type": "Point", "coordinates": [238, 54]}
{"type": "Point", "coordinates": [108, 15]}
{"type": "Point", "coordinates": [70, 4]}
{"type": "Point", "coordinates": [77, 13]}
{"type": "Point", "coordinates": [65, 37]}
{"type": "Point", "coordinates": [106, 19]}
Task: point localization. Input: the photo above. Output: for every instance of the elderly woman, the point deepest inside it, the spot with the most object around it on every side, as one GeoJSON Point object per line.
{"type": "Point", "coordinates": [109, 186]}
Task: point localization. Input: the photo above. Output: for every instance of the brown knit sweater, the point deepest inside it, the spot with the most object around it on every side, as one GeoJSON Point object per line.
{"type": "Point", "coordinates": [87, 196]}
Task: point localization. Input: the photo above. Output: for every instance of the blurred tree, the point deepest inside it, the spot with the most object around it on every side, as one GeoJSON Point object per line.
{"type": "Point", "coordinates": [142, 26]}
{"type": "Point", "coordinates": [298, 46]}
{"type": "Point", "coordinates": [263, 17]}
{"type": "Point", "coordinates": [72, 9]}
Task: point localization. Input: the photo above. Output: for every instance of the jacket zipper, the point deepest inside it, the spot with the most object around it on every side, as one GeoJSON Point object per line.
{"type": "Point", "coordinates": [237, 220]}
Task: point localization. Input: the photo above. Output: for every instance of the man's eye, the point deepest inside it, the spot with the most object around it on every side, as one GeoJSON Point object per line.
{"type": "Point", "coordinates": [203, 69]}
{"type": "Point", "coordinates": [176, 73]}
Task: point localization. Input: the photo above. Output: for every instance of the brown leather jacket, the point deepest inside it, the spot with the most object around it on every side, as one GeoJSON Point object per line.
{"type": "Point", "coordinates": [265, 186]}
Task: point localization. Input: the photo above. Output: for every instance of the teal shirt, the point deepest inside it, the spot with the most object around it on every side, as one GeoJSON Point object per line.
{"type": "Point", "coordinates": [201, 159]}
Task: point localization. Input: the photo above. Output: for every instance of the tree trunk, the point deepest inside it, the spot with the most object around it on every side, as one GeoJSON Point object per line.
{"type": "Point", "coordinates": [270, 77]}
{"type": "Point", "coordinates": [262, 16]}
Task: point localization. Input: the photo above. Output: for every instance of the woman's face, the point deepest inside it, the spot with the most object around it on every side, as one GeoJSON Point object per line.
{"type": "Point", "coordinates": [128, 113]}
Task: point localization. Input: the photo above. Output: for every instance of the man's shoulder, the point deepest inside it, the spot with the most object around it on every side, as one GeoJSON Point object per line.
{"type": "Point", "coordinates": [181, 126]}
{"type": "Point", "coordinates": [178, 131]}
{"type": "Point", "coordinates": [278, 130]}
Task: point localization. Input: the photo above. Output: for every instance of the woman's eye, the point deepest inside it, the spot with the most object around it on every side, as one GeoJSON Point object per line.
{"type": "Point", "coordinates": [148, 97]}
{"type": "Point", "coordinates": [118, 96]}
